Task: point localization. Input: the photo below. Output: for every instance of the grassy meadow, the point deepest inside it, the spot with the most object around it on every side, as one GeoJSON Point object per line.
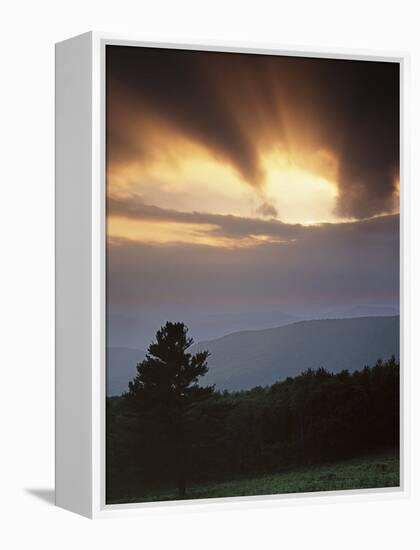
{"type": "Point", "coordinates": [377, 470]}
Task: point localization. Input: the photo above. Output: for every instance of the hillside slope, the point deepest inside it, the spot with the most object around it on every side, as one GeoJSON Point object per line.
{"type": "Point", "coordinates": [245, 359]}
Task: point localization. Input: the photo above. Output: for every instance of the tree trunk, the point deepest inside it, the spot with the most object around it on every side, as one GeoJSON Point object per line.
{"type": "Point", "coordinates": [180, 459]}
{"type": "Point", "coordinates": [182, 491]}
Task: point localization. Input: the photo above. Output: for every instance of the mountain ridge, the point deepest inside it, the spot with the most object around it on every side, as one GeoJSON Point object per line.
{"type": "Point", "coordinates": [298, 322]}
{"type": "Point", "coordinates": [259, 357]}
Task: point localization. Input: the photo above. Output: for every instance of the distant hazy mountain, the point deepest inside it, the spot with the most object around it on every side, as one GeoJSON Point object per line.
{"type": "Point", "coordinates": [138, 330]}
{"type": "Point", "coordinates": [260, 357]}
{"type": "Point", "coordinates": [121, 368]}
{"type": "Point", "coordinates": [344, 312]}
{"type": "Point", "coordinates": [246, 359]}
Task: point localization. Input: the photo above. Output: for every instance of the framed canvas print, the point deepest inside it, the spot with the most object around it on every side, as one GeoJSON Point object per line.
{"type": "Point", "coordinates": [229, 281]}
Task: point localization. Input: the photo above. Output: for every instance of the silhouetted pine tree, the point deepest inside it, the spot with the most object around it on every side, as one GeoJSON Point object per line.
{"type": "Point", "coordinates": [165, 389]}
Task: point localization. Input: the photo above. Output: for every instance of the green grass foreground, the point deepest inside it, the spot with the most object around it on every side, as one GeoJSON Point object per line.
{"type": "Point", "coordinates": [374, 471]}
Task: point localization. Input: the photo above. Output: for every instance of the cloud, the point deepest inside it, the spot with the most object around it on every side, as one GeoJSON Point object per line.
{"type": "Point", "coordinates": [240, 105]}
{"type": "Point", "coordinates": [267, 210]}
{"type": "Point", "coordinates": [228, 226]}
{"type": "Point", "coordinates": [181, 89]}
{"type": "Point", "coordinates": [327, 264]}
{"type": "Point", "coordinates": [133, 207]}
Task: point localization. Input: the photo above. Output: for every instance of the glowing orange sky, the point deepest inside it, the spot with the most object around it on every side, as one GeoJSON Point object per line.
{"type": "Point", "coordinates": [295, 172]}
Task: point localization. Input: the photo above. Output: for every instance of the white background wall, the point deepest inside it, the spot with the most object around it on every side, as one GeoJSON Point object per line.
{"type": "Point", "coordinates": [28, 32]}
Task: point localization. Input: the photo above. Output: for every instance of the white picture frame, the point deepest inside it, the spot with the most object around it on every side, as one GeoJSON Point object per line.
{"type": "Point", "coordinates": [80, 279]}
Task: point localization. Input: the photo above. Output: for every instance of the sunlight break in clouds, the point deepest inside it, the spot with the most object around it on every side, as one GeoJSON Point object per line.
{"type": "Point", "coordinates": [190, 179]}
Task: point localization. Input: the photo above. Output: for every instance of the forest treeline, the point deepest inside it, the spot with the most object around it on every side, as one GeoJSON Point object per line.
{"type": "Point", "coordinates": [312, 418]}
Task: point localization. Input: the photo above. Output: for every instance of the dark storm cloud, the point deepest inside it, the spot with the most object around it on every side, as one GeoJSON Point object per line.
{"type": "Point", "coordinates": [181, 89]}
{"type": "Point", "coordinates": [237, 104]}
{"type": "Point", "coordinates": [330, 264]}
{"type": "Point", "coordinates": [365, 104]}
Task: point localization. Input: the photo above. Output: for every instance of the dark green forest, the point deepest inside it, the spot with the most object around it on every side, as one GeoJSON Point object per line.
{"type": "Point", "coordinates": [168, 431]}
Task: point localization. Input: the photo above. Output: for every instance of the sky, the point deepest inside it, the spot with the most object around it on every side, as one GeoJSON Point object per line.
{"type": "Point", "coordinates": [248, 183]}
